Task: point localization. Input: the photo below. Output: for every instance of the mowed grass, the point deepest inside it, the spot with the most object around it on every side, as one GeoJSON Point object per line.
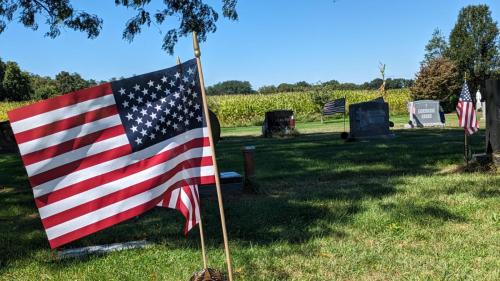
{"type": "Point", "coordinates": [387, 209]}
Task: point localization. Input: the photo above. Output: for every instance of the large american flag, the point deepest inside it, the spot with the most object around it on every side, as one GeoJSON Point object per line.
{"type": "Point", "coordinates": [99, 156]}
{"type": "Point", "coordinates": [466, 112]}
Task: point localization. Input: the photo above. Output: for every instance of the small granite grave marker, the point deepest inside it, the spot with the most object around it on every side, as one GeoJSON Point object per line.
{"type": "Point", "coordinates": [231, 185]}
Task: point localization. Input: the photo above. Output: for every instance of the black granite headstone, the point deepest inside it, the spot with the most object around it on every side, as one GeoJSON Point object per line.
{"type": "Point", "coordinates": [7, 141]}
{"type": "Point", "coordinates": [369, 119]}
{"type": "Point", "coordinates": [492, 116]}
{"type": "Point", "coordinates": [279, 122]}
{"type": "Point", "coordinates": [215, 125]}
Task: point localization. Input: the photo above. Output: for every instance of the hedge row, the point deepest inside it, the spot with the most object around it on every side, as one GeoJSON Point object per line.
{"type": "Point", "coordinates": [249, 109]}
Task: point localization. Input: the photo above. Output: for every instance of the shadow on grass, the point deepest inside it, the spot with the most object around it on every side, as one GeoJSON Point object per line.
{"type": "Point", "coordinates": [428, 214]}
{"type": "Point", "coordinates": [302, 177]}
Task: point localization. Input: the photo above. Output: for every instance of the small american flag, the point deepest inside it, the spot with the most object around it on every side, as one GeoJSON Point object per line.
{"type": "Point", "coordinates": [466, 112]}
{"type": "Point", "coordinates": [99, 156]}
{"type": "Point", "coordinates": [335, 106]}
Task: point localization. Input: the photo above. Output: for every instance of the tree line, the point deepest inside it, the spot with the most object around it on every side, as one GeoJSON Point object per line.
{"type": "Point", "coordinates": [244, 87]}
{"type": "Point", "coordinates": [471, 51]}
{"type": "Point", "coordinates": [19, 85]}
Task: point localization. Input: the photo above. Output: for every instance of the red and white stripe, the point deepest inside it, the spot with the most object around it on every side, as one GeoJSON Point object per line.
{"type": "Point", "coordinates": [83, 172]}
{"type": "Point", "coordinates": [467, 117]}
{"type": "Point", "coordinates": [186, 200]}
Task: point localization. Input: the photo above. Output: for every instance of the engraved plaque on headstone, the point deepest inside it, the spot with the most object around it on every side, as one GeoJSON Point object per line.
{"type": "Point", "coordinates": [369, 119]}
{"type": "Point", "coordinates": [425, 113]}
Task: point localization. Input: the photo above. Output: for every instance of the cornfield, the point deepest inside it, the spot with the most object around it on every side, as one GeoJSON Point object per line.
{"type": "Point", "coordinates": [249, 109]}
{"type": "Point", "coordinates": [245, 110]}
{"type": "Point", "coordinates": [8, 106]}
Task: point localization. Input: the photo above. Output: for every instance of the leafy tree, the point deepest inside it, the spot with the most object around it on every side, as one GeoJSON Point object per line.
{"type": "Point", "coordinates": [319, 96]}
{"type": "Point", "coordinates": [398, 83]}
{"type": "Point", "coordinates": [332, 83]}
{"type": "Point", "coordinates": [436, 47]}
{"type": "Point", "coordinates": [43, 87]}
{"type": "Point", "coordinates": [349, 86]}
{"type": "Point", "coordinates": [16, 84]}
{"type": "Point", "coordinates": [474, 44]}
{"type": "Point", "coordinates": [438, 79]}
{"type": "Point", "coordinates": [373, 85]}
{"type": "Point", "coordinates": [285, 87]}
{"type": "Point", "coordinates": [68, 82]}
{"type": "Point", "coordinates": [302, 84]}
{"type": "Point", "coordinates": [271, 89]}
{"type": "Point", "coordinates": [194, 15]}
{"type": "Point", "coordinates": [2, 71]}
{"type": "Point", "coordinates": [230, 87]}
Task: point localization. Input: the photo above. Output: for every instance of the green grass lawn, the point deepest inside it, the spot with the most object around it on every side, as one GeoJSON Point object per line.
{"type": "Point", "coordinates": [388, 209]}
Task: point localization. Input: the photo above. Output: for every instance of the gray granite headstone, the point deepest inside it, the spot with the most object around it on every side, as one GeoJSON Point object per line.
{"type": "Point", "coordinates": [425, 113]}
{"type": "Point", "coordinates": [369, 119]}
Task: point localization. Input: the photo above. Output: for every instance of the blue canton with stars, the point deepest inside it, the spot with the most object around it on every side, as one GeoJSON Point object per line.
{"type": "Point", "coordinates": [465, 94]}
{"type": "Point", "coordinates": [159, 105]}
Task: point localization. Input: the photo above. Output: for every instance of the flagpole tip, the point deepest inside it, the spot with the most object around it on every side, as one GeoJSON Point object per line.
{"type": "Point", "coordinates": [196, 46]}
{"type": "Point", "coordinates": [178, 60]}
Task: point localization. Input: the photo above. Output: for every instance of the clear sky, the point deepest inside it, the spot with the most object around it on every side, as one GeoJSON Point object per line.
{"type": "Point", "coordinates": [274, 41]}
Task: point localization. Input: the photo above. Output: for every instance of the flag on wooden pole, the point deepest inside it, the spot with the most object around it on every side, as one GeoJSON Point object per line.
{"type": "Point", "coordinates": [197, 54]}
{"type": "Point", "coordinates": [99, 156]}
{"type": "Point", "coordinates": [466, 112]}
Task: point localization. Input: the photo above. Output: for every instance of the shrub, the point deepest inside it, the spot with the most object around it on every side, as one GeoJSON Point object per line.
{"type": "Point", "coordinates": [438, 79]}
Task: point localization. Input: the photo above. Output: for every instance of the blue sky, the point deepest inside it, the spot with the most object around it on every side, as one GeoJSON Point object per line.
{"type": "Point", "coordinates": [273, 41]}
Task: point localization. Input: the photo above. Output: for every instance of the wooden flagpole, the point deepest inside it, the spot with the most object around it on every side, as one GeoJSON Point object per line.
{"type": "Point", "coordinates": [202, 237]}
{"type": "Point", "coordinates": [197, 54]}
{"type": "Point", "coordinates": [345, 102]}
{"type": "Point", "coordinates": [466, 142]}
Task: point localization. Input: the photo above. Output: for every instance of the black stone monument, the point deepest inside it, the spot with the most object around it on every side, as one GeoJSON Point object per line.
{"type": "Point", "coordinates": [369, 119]}
{"type": "Point", "coordinates": [493, 119]}
{"type": "Point", "coordinates": [215, 124]}
{"type": "Point", "coordinates": [7, 141]}
{"type": "Point", "coordinates": [278, 122]}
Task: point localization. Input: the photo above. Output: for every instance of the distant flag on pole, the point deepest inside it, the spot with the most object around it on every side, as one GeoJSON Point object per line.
{"type": "Point", "coordinates": [335, 106]}
{"type": "Point", "coordinates": [466, 112]}
{"type": "Point", "coordinates": [99, 156]}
